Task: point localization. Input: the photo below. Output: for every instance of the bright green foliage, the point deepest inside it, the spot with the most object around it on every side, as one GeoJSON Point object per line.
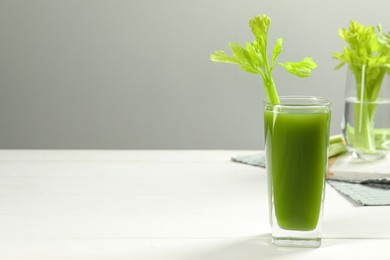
{"type": "Point", "coordinates": [302, 68]}
{"type": "Point", "coordinates": [368, 55]}
{"type": "Point", "coordinates": [253, 57]}
{"type": "Point", "coordinates": [277, 49]}
{"type": "Point", "coordinates": [384, 40]}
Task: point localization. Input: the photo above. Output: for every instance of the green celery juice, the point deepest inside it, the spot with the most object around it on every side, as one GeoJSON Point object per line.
{"type": "Point", "coordinates": [296, 146]}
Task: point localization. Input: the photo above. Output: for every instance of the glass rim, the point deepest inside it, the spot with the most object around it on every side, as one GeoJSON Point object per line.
{"type": "Point", "coordinates": [294, 101]}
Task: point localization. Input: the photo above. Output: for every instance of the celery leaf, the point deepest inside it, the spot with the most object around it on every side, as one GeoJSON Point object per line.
{"type": "Point", "coordinates": [253, 57]}
{"type": "Point", "coordinates": [302, 68]}
{"type": "Point", "coordinates": [277, 49]}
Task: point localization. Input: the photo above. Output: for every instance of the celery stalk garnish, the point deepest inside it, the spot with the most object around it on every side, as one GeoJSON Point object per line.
{"type": "Point", "coordinates": [253, 57]}
{"type": "Point", "coordinates": [368, 57]}
{"type": "Point", "coordinates": [336, 145]}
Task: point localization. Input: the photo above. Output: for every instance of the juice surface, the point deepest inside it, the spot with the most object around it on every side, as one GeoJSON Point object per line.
{"type": "Point", "coordinates": [296, 145]}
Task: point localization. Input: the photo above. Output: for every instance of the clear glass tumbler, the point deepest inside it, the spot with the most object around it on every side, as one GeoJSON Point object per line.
{"type": "Point", "coordinates": [296, 140]}
{"type": "Point", "coordinates": [366, 121]}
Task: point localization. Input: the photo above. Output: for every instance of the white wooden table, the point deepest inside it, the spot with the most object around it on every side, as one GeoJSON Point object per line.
{"type": "Point", "coordinates": [57, 204]}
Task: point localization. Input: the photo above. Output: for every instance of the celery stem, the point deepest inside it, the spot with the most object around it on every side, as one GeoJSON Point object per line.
{"type": "Point", "coordinates": [364, 136]}
{"type": "Point", "coordinates": [272, 93]}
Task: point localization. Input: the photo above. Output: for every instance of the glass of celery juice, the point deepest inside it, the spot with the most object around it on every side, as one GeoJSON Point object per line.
{"type": "Point", "coordinates": [296, 140]}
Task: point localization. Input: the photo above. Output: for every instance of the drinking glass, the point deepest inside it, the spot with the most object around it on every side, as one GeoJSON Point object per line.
{"type": "Point", "coordinates": [296, 140]}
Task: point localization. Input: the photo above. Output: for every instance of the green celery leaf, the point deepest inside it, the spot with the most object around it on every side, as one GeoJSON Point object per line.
{"type": "Point", "coordinates": [301, 69]}
{"type": "Point", "coordinates": [277, 49]}
{"type": "Point", "coordinates": [238, 51]}
{"type": "Point", "coordinates": [253, 57]}
{"type": "Point", "coordinates": [260, 26]}
{"type": "Point", "coordinates": [221, 56]}
{"type": "Point", "coordinates": [339, 65]}
{"type": "Point", "coordinates": [246, 57]}
{"type": "Point", "coordinates": [249, 68]}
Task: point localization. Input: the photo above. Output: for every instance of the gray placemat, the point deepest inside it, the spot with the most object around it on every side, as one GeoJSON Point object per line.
{"type": "Point", "coordinates": [366, 194]}
{"type": "Point", "coordinates": [362, 194]}
{"type": "Point", "coordinates": [257, 159]}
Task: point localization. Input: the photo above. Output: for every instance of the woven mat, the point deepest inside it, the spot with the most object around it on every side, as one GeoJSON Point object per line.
{"type": "Point", "coordinates": [364, 192]}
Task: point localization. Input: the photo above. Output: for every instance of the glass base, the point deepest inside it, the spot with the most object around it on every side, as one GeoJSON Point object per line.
{"type": "Point", "coordinates": [367, 156]}
{"type": "Point", "coordinates": [296, 242]}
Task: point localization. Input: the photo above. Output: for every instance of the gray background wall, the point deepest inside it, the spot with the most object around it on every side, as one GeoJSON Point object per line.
{"type": "Point", "coordinates": [136, 74]}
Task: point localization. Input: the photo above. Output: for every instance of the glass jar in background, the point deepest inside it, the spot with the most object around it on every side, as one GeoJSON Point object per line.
{"type": "Point", "coordinates": [366, 121]}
